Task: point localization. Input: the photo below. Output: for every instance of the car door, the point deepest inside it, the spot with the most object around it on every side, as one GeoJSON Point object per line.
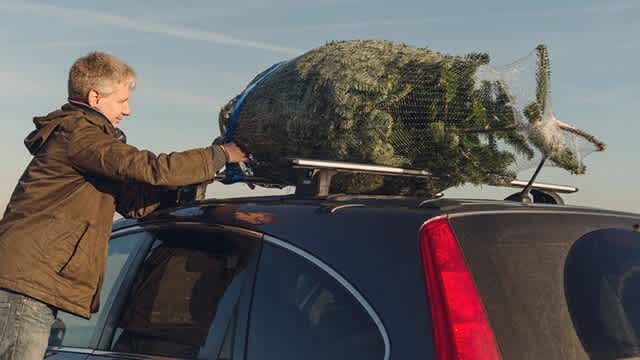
{"type": "Point", "coordinates": [74, 338]}
{"type": "Point", "coordinates": [182, 300]}
{"type": "Point", "coordinates": [304, 309]}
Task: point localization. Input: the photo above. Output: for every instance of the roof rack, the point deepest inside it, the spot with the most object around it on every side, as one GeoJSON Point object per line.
{"type": "Point", "coordinates": [316, 180]}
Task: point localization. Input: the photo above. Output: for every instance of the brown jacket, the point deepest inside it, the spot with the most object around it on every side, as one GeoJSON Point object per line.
{"type": "Point", "coordinates": [55, 230]}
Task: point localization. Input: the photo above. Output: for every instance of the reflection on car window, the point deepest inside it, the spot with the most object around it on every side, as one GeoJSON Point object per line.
{"type": "Point", "coordinates": [174, 297]}
{"type": "Point", "coordinates": [603, 292]}
{"type": "Point", "coordinates": [72, 331]}
{"type": "Point", "coordinates": [300, 312]}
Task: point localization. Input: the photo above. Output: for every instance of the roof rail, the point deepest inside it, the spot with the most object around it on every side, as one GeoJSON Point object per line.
{"type": "Point", "coordinates": [317, 180]}
{"type": "Point", "coordinates": [564, 189]}
{"type": "Point", "coordinates": [341, 166]}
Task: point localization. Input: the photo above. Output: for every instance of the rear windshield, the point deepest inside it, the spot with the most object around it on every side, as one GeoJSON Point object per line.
{"type": "Point", "coordinates": [552, 292]}
{"type": "Point", "coordinates": [603, 292]}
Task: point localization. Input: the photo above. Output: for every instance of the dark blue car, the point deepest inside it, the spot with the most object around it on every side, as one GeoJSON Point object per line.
{"type": "Point", "coordinates": [334, 276]}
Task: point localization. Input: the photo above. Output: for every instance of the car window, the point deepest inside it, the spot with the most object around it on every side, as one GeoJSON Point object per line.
{"type": "Point", "coordinates": [227, 346]}
{"type": "Point", "coordinates": [176, 301]}
{"type": "Point", "coordinates": [72, 331]}
{"type": "Point", "coordinates": [603, 292]}
{"type": "Point", "coordinates": [301, 312]}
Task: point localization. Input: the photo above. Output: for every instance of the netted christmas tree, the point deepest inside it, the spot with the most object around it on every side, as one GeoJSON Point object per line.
{"type": "Point", "coordinates": [384, 103]}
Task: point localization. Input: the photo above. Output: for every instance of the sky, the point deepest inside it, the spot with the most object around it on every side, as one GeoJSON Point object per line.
{"type": "Point", "coordinates": [193, 56]}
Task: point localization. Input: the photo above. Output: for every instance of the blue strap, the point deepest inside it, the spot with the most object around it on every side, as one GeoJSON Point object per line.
{"type": "Point", "coordinates": [231, 124]}
{"type": "Point", "coordinates": [231, 173]}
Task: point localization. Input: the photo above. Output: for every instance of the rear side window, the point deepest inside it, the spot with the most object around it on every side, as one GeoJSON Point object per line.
{"type": "Point", "coordinates": [301, 312]}
{"type": "Point", "coordinates": [603, 292]}
{"type": "Point", "coordinates": [179, 297]}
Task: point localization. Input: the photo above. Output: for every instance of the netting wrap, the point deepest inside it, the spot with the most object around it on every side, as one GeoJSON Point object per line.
{"type": "Point", "coordinates": [385, 103]}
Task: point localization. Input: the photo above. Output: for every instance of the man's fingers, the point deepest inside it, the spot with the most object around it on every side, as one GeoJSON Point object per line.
{"type": "Point", "coordinates": [235, 154]}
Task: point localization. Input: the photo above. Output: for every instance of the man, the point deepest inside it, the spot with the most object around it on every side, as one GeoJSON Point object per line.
{"type": "Point", "coordinates": [55, 230]}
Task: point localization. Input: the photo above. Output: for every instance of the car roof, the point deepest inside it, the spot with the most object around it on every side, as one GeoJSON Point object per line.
{"type": "Point", "coordinates": [440, 205]}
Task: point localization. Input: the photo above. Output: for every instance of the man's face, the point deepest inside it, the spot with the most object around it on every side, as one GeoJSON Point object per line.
{"type": "Point", "coordinates": [114, 106]}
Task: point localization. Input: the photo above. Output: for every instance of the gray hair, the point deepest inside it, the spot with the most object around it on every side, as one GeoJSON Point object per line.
{"type": "Point", "coordinates": [98, 71]}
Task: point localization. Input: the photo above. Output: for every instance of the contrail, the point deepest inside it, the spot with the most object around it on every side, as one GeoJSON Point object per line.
{"type": "Point", "coordinates": [142, 26]}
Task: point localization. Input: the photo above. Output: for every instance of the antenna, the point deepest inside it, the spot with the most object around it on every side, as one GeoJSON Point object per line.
{"type": "Point", "coordinates": [524, 195]}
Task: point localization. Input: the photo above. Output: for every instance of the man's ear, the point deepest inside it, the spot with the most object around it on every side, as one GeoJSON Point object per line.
{"type": "Point", "coordinates": [93, 98]}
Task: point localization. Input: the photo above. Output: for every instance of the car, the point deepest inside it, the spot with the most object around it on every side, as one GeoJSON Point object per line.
{"type": "Point", "coordinates": [315, 275]}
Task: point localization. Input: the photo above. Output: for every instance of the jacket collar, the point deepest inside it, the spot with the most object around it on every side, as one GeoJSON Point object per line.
{"type": "Point", "coordinates": [97, 118]}
{"type": "Point", "coordinates": [96, 115]}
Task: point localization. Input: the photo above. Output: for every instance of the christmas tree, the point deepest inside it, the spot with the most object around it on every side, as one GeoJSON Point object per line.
{"type": "Point", "coordinates": [384, 103]}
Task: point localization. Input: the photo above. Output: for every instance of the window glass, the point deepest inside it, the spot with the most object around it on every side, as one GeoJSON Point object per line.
{"type": "Point", "coordinates": [226, 352]}
{"type": "Point", "coordinates": [603, 292]}
{"type": "Point", "coordinates": [72, 331]}
{"type": "Point", "coordinates": [188, 282]}
{"type": "Point", "coordinates": [301, 312]}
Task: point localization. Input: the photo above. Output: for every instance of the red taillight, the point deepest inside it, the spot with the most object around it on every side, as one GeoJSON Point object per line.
{"type": "Point", "coordinates": [460, 327]}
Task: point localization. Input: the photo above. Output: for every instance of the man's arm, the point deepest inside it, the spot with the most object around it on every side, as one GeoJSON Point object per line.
{"type": "Point", "coordinates": [96, 153]}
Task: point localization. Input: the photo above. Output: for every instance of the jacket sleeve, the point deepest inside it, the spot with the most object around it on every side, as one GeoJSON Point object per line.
{"type": "Point", "coordinates": [136, 200]}
{"type": "Point", "coordinates": [97, 153]}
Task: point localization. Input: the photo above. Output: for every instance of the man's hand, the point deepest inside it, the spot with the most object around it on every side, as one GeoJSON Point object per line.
{"type": "Point", "coordinates": [233, 152]}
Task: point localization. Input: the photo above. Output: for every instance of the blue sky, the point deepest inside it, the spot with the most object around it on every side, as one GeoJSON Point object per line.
{"type": "Point", "coordinates": [193, 56]}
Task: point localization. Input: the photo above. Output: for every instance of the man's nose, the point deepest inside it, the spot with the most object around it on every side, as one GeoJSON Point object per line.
{"type": "Point", "coordinates": [126, 111]}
